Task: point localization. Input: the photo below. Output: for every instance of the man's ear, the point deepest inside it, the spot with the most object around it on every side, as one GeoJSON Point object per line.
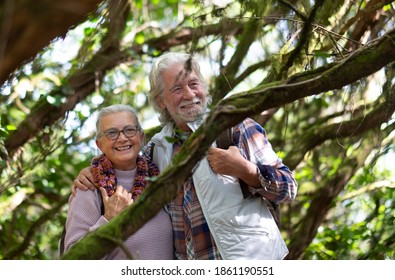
{"type": "Point", "coordinates": [160, 102]}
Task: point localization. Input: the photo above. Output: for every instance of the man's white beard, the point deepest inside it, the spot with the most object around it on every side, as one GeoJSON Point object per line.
{"type": "Point", "coordinates": [193, 114]}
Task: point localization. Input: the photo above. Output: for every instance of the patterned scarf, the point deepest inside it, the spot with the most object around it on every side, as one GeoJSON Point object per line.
{"type": "Point", "coordinates": [104, 174]}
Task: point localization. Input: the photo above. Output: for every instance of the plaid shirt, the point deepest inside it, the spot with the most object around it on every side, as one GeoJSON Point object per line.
{"type": "Point", "coordinates": [277, 181]}
{"type": "Point", "coordinates": [192, 237]}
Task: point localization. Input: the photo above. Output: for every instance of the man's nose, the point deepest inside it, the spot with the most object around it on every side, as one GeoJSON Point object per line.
{"type": "Point", "coordinates": [188, 93]}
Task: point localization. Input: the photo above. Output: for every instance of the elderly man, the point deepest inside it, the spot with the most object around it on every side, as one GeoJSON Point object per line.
{"type": "Point", "coordinates": [210, 217]}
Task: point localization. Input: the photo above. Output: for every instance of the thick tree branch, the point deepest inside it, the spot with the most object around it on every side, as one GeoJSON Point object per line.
{"type": "Point", "coordinates": [225, 115]}
{"type": "Point", "coordinates": [366, 61]}
{"type": "Point", "coordinates": [34, 23]}
{"type": "Point", "coordinates": [130, 220]}
{"type": "Point", "coordinates": [178, 37]}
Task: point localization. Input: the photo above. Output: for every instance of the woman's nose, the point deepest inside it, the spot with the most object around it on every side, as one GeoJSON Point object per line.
{"type": "Point", "coordinates": [122, 136]}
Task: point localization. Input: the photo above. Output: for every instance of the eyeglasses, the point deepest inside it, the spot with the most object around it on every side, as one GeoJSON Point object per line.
{"type": "Point", "coordinates": [112, 134]}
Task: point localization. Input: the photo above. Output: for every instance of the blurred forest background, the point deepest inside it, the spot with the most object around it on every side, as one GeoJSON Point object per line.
{"type": "Point", "coordinates": [318, 75]}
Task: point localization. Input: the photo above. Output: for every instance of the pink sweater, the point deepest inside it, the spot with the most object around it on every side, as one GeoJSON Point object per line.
{"type": "Point", "coordinates": [154, 241]}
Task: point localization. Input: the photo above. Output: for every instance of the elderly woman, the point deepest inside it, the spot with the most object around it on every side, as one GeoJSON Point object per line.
{"type": "Point", "coordinates": [120, 172]}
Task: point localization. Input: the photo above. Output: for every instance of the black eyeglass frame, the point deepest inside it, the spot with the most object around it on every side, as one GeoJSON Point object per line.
{"type": "Point", "coordinates": [134, 128]}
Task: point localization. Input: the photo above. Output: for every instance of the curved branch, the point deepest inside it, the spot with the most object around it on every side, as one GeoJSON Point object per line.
{"type": "Point", "coordinates": [177, 37]}
{"type": "Point", "coordinates": [221, 117]}
{"type": "Point", "coordinates": [366, 61]}
{"type": "Point", "coordinates": [130, 220]}
{"type": "Point", "coordinates": [25, 22]}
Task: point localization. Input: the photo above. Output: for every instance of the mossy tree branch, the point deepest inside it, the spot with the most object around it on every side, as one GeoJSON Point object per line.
{"type": "Point", "coordinates": [229, 112]}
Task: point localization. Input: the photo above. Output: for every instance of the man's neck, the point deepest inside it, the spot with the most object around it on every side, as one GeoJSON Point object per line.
{"type": "Point", "coordinates": [192, 125]}
{"type": "Point", "coordinates": [181, 135]}
{"type": "Point", "coordinates": [183, 127]}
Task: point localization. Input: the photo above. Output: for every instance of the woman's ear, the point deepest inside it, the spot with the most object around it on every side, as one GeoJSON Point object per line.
{"type": "Point", "coordinates": [142, 139]}
{"type": "Point", "coordinates": [99, 144]}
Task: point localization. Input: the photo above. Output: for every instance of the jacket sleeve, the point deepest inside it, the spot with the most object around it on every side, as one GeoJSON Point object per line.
{"type": "Point", "coordinates": [277, 181]}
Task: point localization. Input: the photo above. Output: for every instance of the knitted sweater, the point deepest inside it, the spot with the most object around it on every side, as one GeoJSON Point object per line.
{"type": "Point", "coordinates": [154, 241]}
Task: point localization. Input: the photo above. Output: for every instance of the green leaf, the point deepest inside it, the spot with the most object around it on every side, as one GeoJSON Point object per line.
{"type": "Point", "coordinates": [140, 39]}
{"type": "Point", "coordinates": [321, 54]}
{"type": "Point", "coordinates": [3, 132]}
{"type": "Point", "coordinates": [11, 127]}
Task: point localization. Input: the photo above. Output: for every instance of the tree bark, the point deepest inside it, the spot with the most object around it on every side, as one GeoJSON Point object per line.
{"type": "Point", "coordinates": [28, 26]}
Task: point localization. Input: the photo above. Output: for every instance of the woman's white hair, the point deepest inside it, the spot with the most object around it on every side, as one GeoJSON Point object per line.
{"type": "Point", "coordinates": [117, 108]}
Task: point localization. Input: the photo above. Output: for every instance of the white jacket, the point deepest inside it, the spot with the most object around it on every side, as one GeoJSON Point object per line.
{"type": "Point", "coordinates": [242, 228]}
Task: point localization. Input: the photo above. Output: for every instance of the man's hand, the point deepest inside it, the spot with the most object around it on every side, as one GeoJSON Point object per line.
{"type": "Point", "coordinates": [116, 203]}
{"type": "Point", "coordinates": [84, 181]}
{"type": "Point", "coordinates": [226, 162]}
{"type": "Point", "coordinates": [231, 162]}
